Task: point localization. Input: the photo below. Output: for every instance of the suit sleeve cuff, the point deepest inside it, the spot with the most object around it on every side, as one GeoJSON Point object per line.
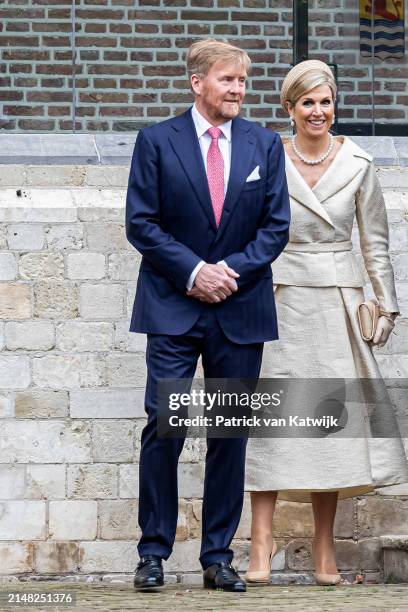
{"type": "Point", "coordinates": [193, 275]}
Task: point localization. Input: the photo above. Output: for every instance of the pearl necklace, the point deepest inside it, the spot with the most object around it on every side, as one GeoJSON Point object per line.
{"type": "Point", "coordinates": [319, 160]}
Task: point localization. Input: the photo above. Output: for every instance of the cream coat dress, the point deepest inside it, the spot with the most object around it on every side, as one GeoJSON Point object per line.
{"type": "Point", "coordinates": [318, 286]}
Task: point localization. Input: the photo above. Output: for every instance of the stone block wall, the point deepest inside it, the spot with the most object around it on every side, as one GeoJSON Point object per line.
{"type": "Point", "coordinates": [118, 65]}
{"type": "Point", "coordinates": [72, 384]}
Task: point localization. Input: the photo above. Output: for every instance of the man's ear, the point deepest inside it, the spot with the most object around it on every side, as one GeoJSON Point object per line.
{"type": "Point", "coordinates": [195, 83]}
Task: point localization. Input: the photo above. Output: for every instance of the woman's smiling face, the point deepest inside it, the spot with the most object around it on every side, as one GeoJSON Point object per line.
{"type": "Point", "coordinates": [313, 112]}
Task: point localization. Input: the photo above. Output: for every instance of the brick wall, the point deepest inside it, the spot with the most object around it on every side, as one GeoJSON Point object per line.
{"type": "Point", "coordinates": [334, 37]}
{"type": "Point", "coordinates": [72, 384]}
{"type": "Point", "coordinates": [128, 60]}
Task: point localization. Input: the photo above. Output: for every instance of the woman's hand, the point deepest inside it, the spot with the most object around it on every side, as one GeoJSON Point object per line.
{"type": "Point", "coordinates": [385, 326]}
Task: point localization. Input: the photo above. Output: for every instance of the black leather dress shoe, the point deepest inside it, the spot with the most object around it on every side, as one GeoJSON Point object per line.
{"type": "Point", "coordinates": [222, 576]}
{"type": "Point", "coordinates": [149, 573]}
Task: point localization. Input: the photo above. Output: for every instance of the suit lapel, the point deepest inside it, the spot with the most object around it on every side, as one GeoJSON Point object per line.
{"type": "Point", "coordinates": [187, 148]}
{"type": "Point", "coordinates": [242, 152]}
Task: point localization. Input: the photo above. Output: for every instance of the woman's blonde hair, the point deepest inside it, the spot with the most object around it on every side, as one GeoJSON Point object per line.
{"type": "Point", "coordinates": [202, 55]}
{"type": "Point", "coordinates": [303, 78]}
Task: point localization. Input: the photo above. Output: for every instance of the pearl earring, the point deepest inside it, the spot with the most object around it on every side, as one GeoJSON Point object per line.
{"type": "Point", "coordinates": [334, 119]}
{"type": "Point", "coordinates": [292, 122]}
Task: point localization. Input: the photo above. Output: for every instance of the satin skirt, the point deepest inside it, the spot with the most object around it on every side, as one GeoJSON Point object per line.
{"type": "Point", "coordinates": [319, 337]}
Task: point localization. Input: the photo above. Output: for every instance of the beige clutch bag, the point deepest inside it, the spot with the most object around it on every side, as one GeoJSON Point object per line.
{"type": "Point", "coordinates": [368, 313]}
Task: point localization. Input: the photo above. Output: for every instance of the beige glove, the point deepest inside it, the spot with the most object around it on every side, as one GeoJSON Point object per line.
{"type": "Point", "coordinates": [384, 328]}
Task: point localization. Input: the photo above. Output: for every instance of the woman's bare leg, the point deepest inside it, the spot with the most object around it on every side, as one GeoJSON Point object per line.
{"type": "Point", "coordinates": [263, 508]}
{"type": "Point", "coordinates": [324, 511]}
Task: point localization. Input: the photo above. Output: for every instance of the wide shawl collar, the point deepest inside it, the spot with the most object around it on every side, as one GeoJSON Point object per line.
{"type": "Point", "coordinates": [341, 171]}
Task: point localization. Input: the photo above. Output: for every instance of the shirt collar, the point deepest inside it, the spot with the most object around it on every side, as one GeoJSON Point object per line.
{"type": "Point", "coordinates": [202, 125]}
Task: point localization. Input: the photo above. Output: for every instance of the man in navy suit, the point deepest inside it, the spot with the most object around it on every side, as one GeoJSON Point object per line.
{"type": "Point", "coordinates": [208, 208]}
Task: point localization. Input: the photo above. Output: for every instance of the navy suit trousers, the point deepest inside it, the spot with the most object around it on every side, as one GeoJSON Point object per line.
{"type": "Point", "coordinates": [176, 357]}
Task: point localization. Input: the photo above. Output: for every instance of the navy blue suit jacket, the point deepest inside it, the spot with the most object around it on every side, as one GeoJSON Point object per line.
{"type": "Point", "coordinates": [170, 220]}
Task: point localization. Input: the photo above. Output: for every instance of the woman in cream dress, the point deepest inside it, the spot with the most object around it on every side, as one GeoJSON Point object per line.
{"type": "Point", "coordinates": [318, 287]}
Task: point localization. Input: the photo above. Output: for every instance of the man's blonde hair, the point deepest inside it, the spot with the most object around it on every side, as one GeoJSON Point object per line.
{"type": "Point", "coordinates": [202, 55]}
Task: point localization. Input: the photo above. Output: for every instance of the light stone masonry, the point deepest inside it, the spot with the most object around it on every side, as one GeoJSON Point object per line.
{"type": "Point", "coordinates": [126, 370]}
{"type": "Point", "coordinates": [45, 482]}
{"type": "Point", "coordinates": [55, 299]}
{"type": "Point", "coordinates": [45, 442]}
{"type": "Point", "coordinates": [83, 266]}
{"type": "Point", "coordinates": [400, 263]}
{"type": "Point", "coordinates": [395, 367]}
{"type": "Point", "coordinates": [110, 237]}
{"type": "Point", "coordinates": [41, 404]}
{"type": "Point", "coordinates": [98, 214]}
{"type": "Point", "coordinates": [95, 481]}
{"type": "Point", "coordinates": [14, 372]}
{"type": "Point", "coordinates": [378, 516]}
{"type": "Point", "coordinates": [128, 341]}
{"type": "Point", "coordinates": [6, 406]}
{"type": "Point", "coordinates": [16, 557]}
{"type": "Point", "coordinates": [12, 482]}
{"type": "Point", "coordinates": [399, 400]}
{"type": "Point", "coordinates": [72, 381]}
{"type": "Point", "coordinates": [32, 481]}
{"type": "Point", "coordinates": [107, 404]}
{"type": "Point", "coordinates": [101, 301]}
{"type": "Point", "coordinates": [399, 235]}
{"type": "Point", "coordinates": [124, 266]}
{"type": "Point", "coordinates": [23, 520]}
{"type": "Point", "coordinates": [30, 214]}
{"type": "Point", "coordinates": [13, 175]}
{"type": "Point", "coordinates": [190, 479]}
{"type": "Point", "coordinates": [15, 301]}
{"type": "Point", "coordinates": [30, 336]}
{"type": "Point", "coordinates": [8, 267]}
{"type": "Point", "coordinates": [108, 556]}
{"type": "Point", "coordinates": [129, 480]}
{"type": "Point", "coordinates": [56, 557]}
{"type": "Point", "coordinates": [68, 371]}
{"type": "Point", "coordinates": [118, 520]}
{"type": "Point", "coordinates": [64, 237]}
{"type": "Point", "coordinates": [97, 176]}
{"type": "Point", "coordinates": [189, 549]}
{"type": "Point", "coordinates": [41, 265]}
{"type": "Point", "coordinates": [402, 294]}
{"type": "Point", "coordinates": [113, 441]}
{"type": "Point", "coordinates": [73, 520]}
{"type": "Point", "coordinates": [182, 521]}
{"type": "Point", "coordinates": [84, 336]}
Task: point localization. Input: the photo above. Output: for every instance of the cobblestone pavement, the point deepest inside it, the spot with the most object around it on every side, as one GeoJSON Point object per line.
{"type": "Point", "coordinates": [120, 598]}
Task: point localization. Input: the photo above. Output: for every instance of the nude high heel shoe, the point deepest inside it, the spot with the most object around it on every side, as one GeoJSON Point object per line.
{"type": "Point", "coordinates": [323, 579]}
{"type": "Point", "coordinates": [327, 579]}
{"type": "Point", "coordinates": [332, 580]}
{"type": "Point", "coordinates": [260, 577]}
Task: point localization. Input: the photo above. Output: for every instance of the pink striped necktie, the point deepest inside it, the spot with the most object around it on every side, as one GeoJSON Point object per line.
{"type": "Point", "coordinates": [215, 173]}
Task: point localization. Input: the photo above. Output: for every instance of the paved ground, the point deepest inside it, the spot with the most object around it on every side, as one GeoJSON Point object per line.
{"type": "Point", "coordinates": [120, 598]}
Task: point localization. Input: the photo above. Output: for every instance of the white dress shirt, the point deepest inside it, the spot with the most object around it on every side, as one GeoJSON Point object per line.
{"type": "Point", "coordinates": [224, 144]}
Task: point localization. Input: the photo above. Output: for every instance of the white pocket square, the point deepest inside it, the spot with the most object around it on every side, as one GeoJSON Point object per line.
{"type": "Point", "coordinates": [254, 176]}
